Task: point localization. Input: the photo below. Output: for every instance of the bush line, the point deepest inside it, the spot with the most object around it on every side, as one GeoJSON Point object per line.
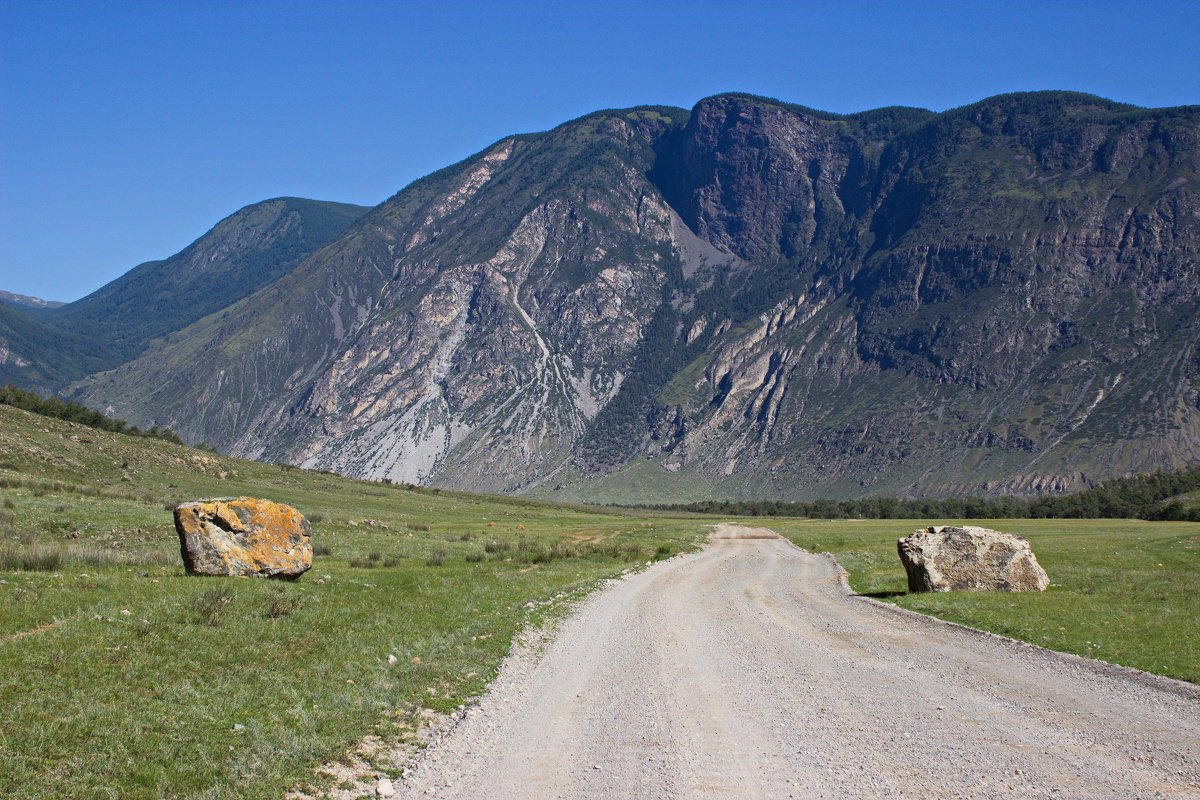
{"type": "Point", "coordinates": [1147, 497]}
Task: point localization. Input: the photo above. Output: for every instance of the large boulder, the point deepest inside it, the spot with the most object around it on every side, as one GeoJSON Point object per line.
{"type": "Point", "coordinates": [243, 536]}
{"type": "Point", "coordinates": [945, 558]}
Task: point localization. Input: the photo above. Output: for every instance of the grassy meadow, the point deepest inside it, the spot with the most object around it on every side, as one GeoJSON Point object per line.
{"type": "Point", "coordinates": [1125, 591]}
{"type": "Point", "coordinates": [120, 677]}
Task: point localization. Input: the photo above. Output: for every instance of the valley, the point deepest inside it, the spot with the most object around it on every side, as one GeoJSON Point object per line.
{"type": "Point", "coordinates": [419, 400]}
{"type": "Point", "coordinates": [227, 688]}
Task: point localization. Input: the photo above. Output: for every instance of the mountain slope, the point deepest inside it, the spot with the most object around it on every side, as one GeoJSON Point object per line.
{"type": "Point", "coordinates": [751, 299]}
{"type": "Point", "coordinates": [1018, 309]}
{"type": "Point", "coordinates": [39, 356]}
{"type": "Point", "coordinates": [447, 311]}
{"type": "Point", "coordinates": [242, 253]}
{"type": "Point", "coordinates": [27, 301]}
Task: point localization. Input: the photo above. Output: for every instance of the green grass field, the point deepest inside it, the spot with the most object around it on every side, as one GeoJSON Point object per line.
{"type": "Point", "coordinates": [120, 677]}
{"type": "Point", "coordinates": [1124, 591]}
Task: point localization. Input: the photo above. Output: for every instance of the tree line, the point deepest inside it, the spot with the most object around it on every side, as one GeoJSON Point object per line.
{"type": "Point", "coordinates": [1149, 497]}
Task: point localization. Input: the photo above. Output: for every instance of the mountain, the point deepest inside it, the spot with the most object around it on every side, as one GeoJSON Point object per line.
{"type": "Point", "coordinates": [750, 299]}
{"type": "Point", "coordinates": [41, 357]}
{"type": "Point", "coordinates": [30, 302]}
{"type": "Point", "coordinates": [53, 345]}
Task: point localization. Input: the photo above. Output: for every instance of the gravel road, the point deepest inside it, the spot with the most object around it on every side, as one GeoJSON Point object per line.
{"type": "Point", "coordinates": [750, 671]}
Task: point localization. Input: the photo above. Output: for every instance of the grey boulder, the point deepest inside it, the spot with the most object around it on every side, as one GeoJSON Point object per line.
{"type": "Point", "coordinates": [946, 558]}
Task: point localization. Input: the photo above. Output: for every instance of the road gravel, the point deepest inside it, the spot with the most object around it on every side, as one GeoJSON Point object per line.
{"type": "Point", "coordinates": [750, 670]}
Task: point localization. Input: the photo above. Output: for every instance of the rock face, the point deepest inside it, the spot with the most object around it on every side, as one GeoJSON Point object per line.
{"type": "Point", "coordinates": [945, 558]}
{"type": "Point", "coordinates": [243, 536]}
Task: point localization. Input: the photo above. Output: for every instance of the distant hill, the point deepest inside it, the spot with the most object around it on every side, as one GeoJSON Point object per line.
{"type": "Point", "coordinates": [29, 302]}
{"type": "Point", "coordinates": [750, 299]}
{"type": "Point", "coordinates": [42, 357]}
{"type": "Point", "coordinates": [50, 346]}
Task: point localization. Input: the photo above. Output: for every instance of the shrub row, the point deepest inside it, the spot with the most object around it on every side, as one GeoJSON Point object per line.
{"type": "Point", "coordinates": [57, 408]}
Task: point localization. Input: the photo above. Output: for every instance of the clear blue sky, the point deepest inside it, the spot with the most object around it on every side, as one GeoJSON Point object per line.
{"type": "Point", "coordinates": [127, 129]}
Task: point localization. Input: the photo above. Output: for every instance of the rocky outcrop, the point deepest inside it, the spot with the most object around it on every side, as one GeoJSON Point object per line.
{"type": "Point", "coordinates": [26, 300]}
{"type": "Point", "coordinates": [874, 373]}
{"type": "Point", "coordinates": [945, 558]}
{"type": "Point", "coordinates": [243, 536]}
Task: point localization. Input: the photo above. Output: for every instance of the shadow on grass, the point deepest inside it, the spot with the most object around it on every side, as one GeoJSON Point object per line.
{"type": "Point", "coordinates": [881, 595]}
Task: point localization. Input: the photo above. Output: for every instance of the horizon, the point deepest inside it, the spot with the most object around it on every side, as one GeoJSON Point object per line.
{"type": "Point", "coordinates": [157, 122]}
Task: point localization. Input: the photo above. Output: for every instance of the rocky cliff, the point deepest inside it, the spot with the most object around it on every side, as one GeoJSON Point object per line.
{"type": "Point", "coordinates": [749, 299]}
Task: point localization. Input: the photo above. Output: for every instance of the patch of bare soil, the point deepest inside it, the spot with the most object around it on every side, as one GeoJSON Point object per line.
{"type": "Point", "coordinates": [22, 634]}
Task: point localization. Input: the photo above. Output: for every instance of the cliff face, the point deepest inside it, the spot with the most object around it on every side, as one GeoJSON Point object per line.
{"type": "Point", "coordinates": [753, 299]}
{"type": "Point", "coordinates": [1008, 304]}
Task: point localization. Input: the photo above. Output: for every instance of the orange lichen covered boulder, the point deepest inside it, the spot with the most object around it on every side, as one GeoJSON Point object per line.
{"type": "Point", "coordinates": [243, 536]}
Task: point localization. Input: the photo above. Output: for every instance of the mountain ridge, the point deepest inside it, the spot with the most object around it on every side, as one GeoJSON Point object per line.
{"type": "Point", "coordinates": [750, 298]}
{"type": "Point", "coordinates": [28, 301]}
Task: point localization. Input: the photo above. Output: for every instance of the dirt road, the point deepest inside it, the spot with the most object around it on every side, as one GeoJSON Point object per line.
{"type": "Point", "coordinates": [749, 671]}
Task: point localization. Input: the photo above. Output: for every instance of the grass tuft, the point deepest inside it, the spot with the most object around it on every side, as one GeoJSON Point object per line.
{"type": "Point", "coordinates": [19, 557]}
{"type": "Point", "coordinates": [282, 600]}
{"type": "Point", "coordinates": [211, 605]}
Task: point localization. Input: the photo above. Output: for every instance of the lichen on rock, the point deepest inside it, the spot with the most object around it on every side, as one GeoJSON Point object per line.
{"type": "Point", "coordinates": [243, 536]}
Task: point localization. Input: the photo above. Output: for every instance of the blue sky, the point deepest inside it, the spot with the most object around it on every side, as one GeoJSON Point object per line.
{"type": "Point", "coordinates": [128, 129]}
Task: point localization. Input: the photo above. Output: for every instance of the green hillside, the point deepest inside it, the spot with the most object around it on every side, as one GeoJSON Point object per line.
{"type": "Point", "coordinates": [42, 357]}
{"type": "Point", "coordinates": [242, 253]}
